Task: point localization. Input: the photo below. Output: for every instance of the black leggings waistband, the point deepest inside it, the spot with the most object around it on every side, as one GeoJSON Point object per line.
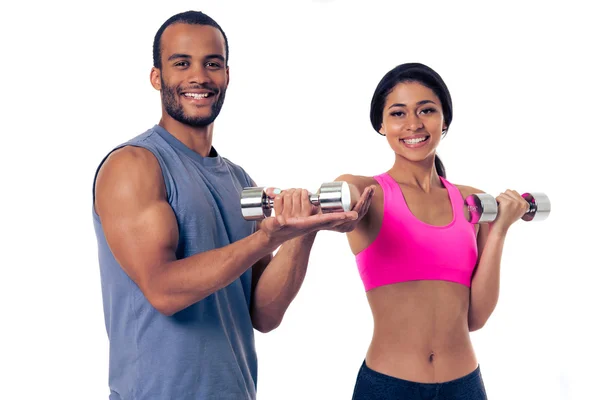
{"type": "Point", "coordinates": [371, 384]}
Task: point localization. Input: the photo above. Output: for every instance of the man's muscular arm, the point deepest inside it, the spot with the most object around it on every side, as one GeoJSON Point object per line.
{"type": "Point", "coordinates": [142, 232]}
{"type": "Point", "coordinates": [277, 280]}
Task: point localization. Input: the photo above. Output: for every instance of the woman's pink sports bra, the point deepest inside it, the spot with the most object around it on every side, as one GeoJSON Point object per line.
{"type": "Point", "coordinates": [408, 249]}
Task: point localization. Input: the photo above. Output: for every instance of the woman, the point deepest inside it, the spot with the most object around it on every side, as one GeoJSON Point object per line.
{"type": "Point", "coordinates": [430, 276]}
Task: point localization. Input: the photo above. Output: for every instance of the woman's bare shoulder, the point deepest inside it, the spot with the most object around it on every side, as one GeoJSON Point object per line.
{"type": "Point", "coordinates": [361, 182]}
{"type": "Point", "coordinates": [466, 190]}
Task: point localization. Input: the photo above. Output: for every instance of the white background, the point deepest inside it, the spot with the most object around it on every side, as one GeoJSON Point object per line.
{"type": "Point", "coordinates": [524, 80]}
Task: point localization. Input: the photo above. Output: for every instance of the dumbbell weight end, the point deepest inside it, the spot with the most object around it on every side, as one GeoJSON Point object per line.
{"type": "Point", "coordinates": [333, 197]}
{"type": "Point", "coordinates": [255, 203]}
{"type": "Point", "coordinates": [539, 206]}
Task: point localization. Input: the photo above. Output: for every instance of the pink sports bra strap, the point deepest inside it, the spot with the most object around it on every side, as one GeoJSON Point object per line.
{"type": "Point", "coordinates": [393, 198]}
{"type": "Point", "coordinates": [456, 199]}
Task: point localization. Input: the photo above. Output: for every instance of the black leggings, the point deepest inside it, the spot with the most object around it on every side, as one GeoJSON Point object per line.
{"type": "Point", "coordinates": [373, 385]}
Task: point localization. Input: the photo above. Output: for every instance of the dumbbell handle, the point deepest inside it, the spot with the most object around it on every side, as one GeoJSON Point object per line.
{"type": "Point", "coordinates": [314, 199]}
{"type": "Point", "coordinates": [532, 207]}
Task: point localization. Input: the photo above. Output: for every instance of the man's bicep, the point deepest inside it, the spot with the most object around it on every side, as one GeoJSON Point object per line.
{"type": "Point", "coordinates": [139, 224]}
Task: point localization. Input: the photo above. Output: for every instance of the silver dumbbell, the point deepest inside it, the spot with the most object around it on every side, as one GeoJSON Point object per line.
{"type": "Point", "coordinates": [483, 207]}
{"type": "Point", "coordinates": [331, 197]}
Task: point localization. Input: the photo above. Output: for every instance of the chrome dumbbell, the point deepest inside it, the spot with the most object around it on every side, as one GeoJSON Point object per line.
{"type": "Point", "coordinates": [331, 197]}
{"type": "Point", "coordinates": [483, 207]}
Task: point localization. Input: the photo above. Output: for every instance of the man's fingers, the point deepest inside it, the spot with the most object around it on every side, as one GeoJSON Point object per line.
{"type": "Point", "coordinates": [273, 191]}
{"type": "Point", "coordinates": [278, 204]}
{"type": "Point", "coordinates": [307, 206]}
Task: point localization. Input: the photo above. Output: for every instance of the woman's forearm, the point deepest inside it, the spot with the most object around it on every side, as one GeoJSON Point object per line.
{"type": "Point", "coordinates": [485, 285]}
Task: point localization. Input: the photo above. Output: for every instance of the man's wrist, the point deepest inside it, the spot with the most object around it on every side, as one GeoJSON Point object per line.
{"type": "Point", "coordinates": [267, 242]}
{"type": "Point", "coordinates": [308, 239]}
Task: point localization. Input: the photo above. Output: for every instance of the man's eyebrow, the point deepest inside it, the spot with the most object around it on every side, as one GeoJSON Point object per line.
{"type": "Point", "coordinates": [187, 56]}
{"type": "Point", "coordinates": [220, 57]}
{"type": "Point", "coordinates": [178, 55]}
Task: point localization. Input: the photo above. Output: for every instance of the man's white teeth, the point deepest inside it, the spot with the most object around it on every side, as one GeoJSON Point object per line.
{"type": "Point", "coordinates": [197, 95]}
{"type": "Point", "coordinates": [414, 141]}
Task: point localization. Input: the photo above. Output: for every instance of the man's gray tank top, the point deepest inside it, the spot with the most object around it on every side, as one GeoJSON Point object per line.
{"type": "Point", "coordinates": [207, 350]}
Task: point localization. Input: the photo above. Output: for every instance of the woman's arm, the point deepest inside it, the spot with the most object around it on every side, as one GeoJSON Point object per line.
{"type": "Point", "coordinates": [485, 283]}
{"type": "Point", "coordinates": [365, 189]}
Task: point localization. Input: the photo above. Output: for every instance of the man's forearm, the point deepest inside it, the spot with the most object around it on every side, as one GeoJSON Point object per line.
{"type": "Point", "coordinates": [280, 282]}
{"type": "Point", "coordinates": [181, 283]}
{"type": "Point", "coordinates": [485, 286]}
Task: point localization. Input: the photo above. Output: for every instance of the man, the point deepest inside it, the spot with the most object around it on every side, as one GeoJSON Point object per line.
{"type": "Point", "coordinates": [185, 279]}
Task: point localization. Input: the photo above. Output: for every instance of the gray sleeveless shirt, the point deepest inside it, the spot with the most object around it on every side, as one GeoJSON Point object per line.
{"type": "Point", "coordinates": [207, 350]}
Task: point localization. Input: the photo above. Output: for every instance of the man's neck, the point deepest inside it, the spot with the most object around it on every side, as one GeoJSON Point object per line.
{"type": "Point", "coordinates": [199, 139]}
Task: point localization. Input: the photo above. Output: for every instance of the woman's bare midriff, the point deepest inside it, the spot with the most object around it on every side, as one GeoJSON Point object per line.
{"type": "Point", "coordinates": [421, 332]}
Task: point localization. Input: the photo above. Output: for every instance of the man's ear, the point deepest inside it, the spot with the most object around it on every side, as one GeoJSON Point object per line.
{"type": "Point", "coordinates": [155, 78]}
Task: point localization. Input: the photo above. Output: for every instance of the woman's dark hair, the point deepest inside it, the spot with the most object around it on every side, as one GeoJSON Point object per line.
{"type": "Point", "coordinates": [412, 72]}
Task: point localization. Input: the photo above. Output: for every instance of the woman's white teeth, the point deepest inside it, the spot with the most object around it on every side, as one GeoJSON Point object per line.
{"type": "Point", "coordinates": [197, 95]}
{"type": "Point", "coordinates": [414, 141]}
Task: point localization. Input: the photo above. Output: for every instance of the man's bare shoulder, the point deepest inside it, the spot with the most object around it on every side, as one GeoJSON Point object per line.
{"type": "Point", "coordinates": [129, 156]}
{"type": "Point", "coordinates": [128, 173]}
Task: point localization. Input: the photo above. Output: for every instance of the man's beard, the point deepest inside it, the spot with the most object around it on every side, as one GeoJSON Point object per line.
{"type": "Point", "coordinates": [170, 99]}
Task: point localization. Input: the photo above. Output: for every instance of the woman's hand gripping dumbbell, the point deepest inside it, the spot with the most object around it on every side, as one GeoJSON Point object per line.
{"type": "Point", "coordinates": [507, 208]}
